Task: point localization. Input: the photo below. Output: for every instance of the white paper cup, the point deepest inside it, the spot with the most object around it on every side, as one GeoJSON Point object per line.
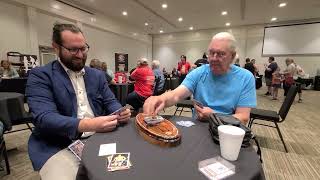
{"type": "Point", "coordinates": [230, 138]}
{"type": "Point", "coordinates": [120, 79]}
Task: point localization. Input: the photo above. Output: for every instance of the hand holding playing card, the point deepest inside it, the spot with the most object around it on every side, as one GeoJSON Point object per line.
{"type": "Point", "coordinates": [124, 116]}
{"type": "Point", "coordinates": [203, 113]}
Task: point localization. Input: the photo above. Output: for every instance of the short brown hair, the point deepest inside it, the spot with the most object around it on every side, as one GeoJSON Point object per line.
{"type": "Point", "coordinates": [58, 28]}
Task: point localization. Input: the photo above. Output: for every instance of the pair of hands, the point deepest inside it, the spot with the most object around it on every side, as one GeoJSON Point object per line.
{"type": "Point", "coordinates": [104, 123]}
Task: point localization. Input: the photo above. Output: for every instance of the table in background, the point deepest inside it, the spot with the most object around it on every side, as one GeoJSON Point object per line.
{"type": "Point", "coordinates": [158, 163]}
{"type": "Point", "coordinates": [11, 108]}
{"type": "Point", "coordinates": [121, 91]}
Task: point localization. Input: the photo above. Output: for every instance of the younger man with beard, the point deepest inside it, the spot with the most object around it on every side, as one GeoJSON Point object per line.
{"type": "Point", "coordinates": [67, 100]}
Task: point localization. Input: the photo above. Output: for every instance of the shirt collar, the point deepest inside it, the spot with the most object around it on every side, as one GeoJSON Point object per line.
{"type": "Point", "coordinates": [69, 71]}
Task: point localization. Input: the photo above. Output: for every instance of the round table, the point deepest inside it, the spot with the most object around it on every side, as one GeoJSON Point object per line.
{"type": "Point", "coordinates": [157, 163]}
{"type": "Point", "coordinates": [11, 108]}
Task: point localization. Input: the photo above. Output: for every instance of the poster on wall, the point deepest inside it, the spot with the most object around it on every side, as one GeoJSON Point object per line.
{"type": "Point", "coordinates": [121, 62]}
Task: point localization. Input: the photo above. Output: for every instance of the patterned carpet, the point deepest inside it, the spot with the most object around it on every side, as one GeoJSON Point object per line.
{"type": "Point", "coordinates": [300, 131]}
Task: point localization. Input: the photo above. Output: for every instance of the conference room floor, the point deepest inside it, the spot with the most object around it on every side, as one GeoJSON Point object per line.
{"type": "Point", "coordinates": [300, 130]}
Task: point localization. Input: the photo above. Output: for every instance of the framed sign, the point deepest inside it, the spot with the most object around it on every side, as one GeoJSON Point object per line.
{"type": "Point", "coordinates": [121, 62]}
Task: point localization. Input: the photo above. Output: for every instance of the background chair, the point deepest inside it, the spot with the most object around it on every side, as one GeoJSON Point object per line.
{"type": "Point", "coordinates": [273, 116]}
{"type": "Point", "coordinates": [183, 104]}
{"type": "Point", "coordinates": [3, 150]}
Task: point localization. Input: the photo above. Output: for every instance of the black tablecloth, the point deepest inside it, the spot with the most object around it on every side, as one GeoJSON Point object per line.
{"type": "Point", "coordinates": [13, 85]}
{"type": "Point", "coordinates": [155, 162]}
{"type": "Point", "coordinates": [121, 91]}
{"type": "Point", "coordinates": [11, 108]}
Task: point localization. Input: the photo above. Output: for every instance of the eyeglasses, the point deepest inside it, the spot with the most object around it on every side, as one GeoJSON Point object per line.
{"type": "Point", "coordinates": [75, 51]}
{"type": "Point", "coordinates": [219, 54]}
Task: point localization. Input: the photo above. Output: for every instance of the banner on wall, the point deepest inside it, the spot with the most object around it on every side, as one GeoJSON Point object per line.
{"type": "Point", "coordinates": [121, 62]}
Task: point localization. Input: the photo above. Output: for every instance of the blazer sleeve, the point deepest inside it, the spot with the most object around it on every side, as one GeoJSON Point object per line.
{"type": "Point", "coordinates": [46, 117]}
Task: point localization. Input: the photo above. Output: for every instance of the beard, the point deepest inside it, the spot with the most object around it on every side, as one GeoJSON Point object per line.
{"type": "Point", "coordinates": [73, 63]}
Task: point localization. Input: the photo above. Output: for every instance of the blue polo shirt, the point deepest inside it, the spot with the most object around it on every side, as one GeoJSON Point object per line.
{"type": "Point", "coordinates": [222, 93]}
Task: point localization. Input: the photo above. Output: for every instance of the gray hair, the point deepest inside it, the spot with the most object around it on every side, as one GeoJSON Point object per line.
{"type": "Point", "coordinates": [155, 64]}
{"type": "Point", "coordinates": [226, 36]}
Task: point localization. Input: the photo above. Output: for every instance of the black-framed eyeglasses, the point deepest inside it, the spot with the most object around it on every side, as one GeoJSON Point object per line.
{"type": "Point", "coordinates": [75, 51]}
{"type": "Point", "coordinates": [220, 54]}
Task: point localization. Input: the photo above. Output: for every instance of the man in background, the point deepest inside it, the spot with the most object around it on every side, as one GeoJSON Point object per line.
{"type": "Point", "coordinates": [183, 68]}
{"type": "Point", "coordinates": [159, 77]}
{"type": "Point", "coordinates": [269, 69]}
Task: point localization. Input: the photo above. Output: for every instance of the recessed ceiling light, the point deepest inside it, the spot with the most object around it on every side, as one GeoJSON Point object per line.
{"type": "Point", "coordinates": [161, 31]}
{"type": "Point", "coordinates": [164, 6]}
{"type": "Point", "coordinates": [124, 13]}
{"type": "Point", "coordinates": [180, 19]}
{"type": "Point", "coordinates": [191, 28]}
{"type": "Point", "coordinates": [56, 6]}
{"type": "Point", "coordinates": [228, 24]}
{"type": "Point", "coordinates": [273, 19]}
{"type": "Point", "coordinates": [223, 13]}
{"type": "Point", "coordinates": [93, 19]}
{"type": "Point", "coordinates": [135, 34]}
{"type": "Point", "coordinates": [146, 24]}
{"type": "Point", "coordinates": [282, 4]}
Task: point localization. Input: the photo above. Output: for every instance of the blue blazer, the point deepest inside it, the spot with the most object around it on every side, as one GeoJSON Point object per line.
{"type": "Point", "coordinates": [53, 104]}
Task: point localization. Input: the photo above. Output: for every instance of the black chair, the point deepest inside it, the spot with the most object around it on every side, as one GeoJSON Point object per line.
{"type": "Point", "coordinates": [273, 116]}
{"type": "Point", "coordinates": [3, 150]}
{"type": "Point", "coordinates": [183, 104]}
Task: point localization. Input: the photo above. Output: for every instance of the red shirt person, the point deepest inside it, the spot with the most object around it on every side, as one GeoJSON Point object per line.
{"type": "Point", "coordinates": [183, 68]}
{"type": "Point", "coordinates": [143, 87]}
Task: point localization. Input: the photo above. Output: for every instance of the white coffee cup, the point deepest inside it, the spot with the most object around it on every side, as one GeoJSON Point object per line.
{"type": "Point", "coordinates": [230, 138]}
{"type": "Point", "coordinates": [120, 79]}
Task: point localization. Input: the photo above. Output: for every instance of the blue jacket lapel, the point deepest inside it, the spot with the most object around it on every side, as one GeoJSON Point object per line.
{"type": "Point", "coordinates": [90, 92]}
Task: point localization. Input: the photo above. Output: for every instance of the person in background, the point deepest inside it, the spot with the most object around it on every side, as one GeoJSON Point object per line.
{"type": "Point", "coordinates": [6, 71]}
{"type": "Point", "coordinates": [220, 86]}
{"type": "Point", "coordinates": [183, 68]}
{"type": "Point", "coordinates": [298, 75]}
{"type": "Point", "coordinates": [269, 69]}
{"type": "Point", "coordinates": [202, 61]}
{"type": "Point", "coordinates": [174, 72]}
{"type": "Point", "coordinates": [108, 72]}
{"type": "Point", "coordinates": [95, 63]}
{"type": "Point", "coordinates": [143, 86]}
{"type": "Point", "coordinates": [159, 77]}
{"type": "Point", "coordinates": [288, 75]}
{"type": "Point", "coordinates": [105, 68]}
{"type": "Point", "coordinates": [68, 101]}
{"type": "Point", "coordinates": [249, 66]}
{"type": "Point", "coordinates": [276, 83]}
{"type": "Point", "coordinates": [256, 69]}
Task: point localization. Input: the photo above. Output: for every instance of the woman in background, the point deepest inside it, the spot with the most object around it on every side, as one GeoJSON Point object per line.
{"type": "Point", "coordinates": [6, 71]}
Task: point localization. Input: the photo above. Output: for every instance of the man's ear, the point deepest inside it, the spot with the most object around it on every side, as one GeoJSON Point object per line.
{"type": "Point", "coordinates": [233, 54]}
{"type": "Point", "coordinates": [56, 47]}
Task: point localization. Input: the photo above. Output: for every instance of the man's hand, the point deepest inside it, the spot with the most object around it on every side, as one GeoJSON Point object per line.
{"type": "Point", "coordinates": [153, 105]}
{"type": "Point", "coordinates": [98, 124]}
{"type": "Point", "coordinates": [124, 116]}
{"type": "Point", "coordinates": [203, 113]}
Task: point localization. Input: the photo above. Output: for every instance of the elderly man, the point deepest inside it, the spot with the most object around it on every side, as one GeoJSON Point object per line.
{"type": "Point", "coordinates": [155, 65]}
{"type": "Point", "coordinates": [68, 101]}
{"type": "Point", "coordinates": [143, 86]}
{"type": "Point", "coordinates": [219, 86]}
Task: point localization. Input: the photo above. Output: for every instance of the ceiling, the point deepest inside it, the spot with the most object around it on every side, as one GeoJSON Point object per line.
{"type": "Point", "coordinates": [200, 14]}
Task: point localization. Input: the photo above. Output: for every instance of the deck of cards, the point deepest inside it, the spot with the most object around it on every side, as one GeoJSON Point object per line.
{"type": "Point", "coordinates": [76, 148]}
{"type": "Point", "coordinates": [118, 161]}
{"type": "Point", "coordinates": [153, 120]}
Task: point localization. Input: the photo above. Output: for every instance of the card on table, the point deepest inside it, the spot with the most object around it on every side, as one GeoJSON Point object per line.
{"type": "Point", "coordinates": [107, 149]}
{"type": "Point", "coordinates": [76, 148]}
{"type": "Point", "coordinates": [119, 161]}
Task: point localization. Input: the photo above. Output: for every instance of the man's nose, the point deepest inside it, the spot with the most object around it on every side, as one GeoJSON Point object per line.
{"type": "Point", "coordinates": [79, 54]}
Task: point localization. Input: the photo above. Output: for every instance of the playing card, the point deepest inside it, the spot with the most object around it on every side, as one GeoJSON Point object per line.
{"type": "Point", "coordinates": [106, 149]}
{"type": "Point", "coordinates": [152, 120]}
{"type": "Point", "coordinates": [185, 123]}
{"type": "Point", "coordinates": [119, 161]}
{"type": "Point", "coordinates": [197, 103]}
{"type": "Point", "coordinates": [117, 112]}
{"type": "Point", "coordinates": [76, 148]}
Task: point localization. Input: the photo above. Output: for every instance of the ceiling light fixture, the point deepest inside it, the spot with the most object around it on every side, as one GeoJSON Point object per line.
{"type": "Point", "coordinates": [180, 19]}
{"type": "Point", "coordinates": [93, 19]}
{"type": "Point", "coordinates": [146, 24]}
{"type": "Point", "coordinates": [135, 34]}
{"type": "Point", "coordinates": [228, 24]}
{"type": "Point", "coordinates": [164, 6]}
{"type": "Point", "coordinates": [282, 5]}
{"type": "Point", "coordinates": [191, 28]}
{"type": "Point", "coordinates": [56, 6]}
{"type": "Point", "coordinates": [161, 31]}
{"type": "Point", "coordinates": [223, 13]}
{"type": "Point", "coordinates": [124, 13]}
{"type": "Point", "coordinates": [273, 19]}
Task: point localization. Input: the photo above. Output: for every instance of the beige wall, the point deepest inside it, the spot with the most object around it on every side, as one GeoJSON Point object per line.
{"type": "Point", "coordinates": [168, 47]}
{"type": "Point", "coordinates": [23, 26]}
